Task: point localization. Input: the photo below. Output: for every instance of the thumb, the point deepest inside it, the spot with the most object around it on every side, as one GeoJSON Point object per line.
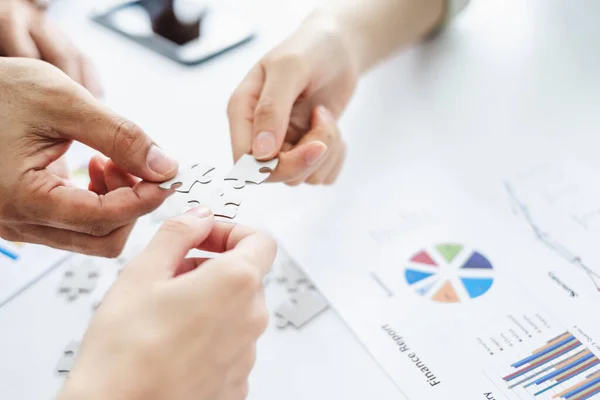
{"type": "Point", "coordinates": [92, 123]}
{"type": "Point", "coordinates": [273, 109]}
{"type": "Point", "coordinates": [175, 238]}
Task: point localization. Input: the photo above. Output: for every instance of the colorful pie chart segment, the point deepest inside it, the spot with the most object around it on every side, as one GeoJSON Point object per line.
{"type": "Point", "coordinates": [449, 273]}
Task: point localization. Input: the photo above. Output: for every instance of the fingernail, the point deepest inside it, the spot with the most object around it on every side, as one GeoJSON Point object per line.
{"type": "Point", "coordinates": [200, 212]}
{"type": "Point", "coordinates": [315, 153]}
{"type": "Point", "coordinates": [264, 145]}
{"type": "Point", "coordinates": [326, 114]}
{"type": "Point", "coordinates": [159, 162]}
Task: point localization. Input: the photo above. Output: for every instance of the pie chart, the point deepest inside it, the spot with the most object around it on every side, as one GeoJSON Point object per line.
{"type": "Point", "coordinates": [449, 273]}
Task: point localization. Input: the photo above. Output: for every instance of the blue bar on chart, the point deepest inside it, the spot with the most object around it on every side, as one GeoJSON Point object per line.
{"type": "Point", "coordinates": [554, 366]}
{"type": "Point", "coordinates": [6, 252]}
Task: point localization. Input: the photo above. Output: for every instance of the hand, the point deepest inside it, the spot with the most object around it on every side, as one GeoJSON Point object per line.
{"type": "Point", "coordinates": [288, 104]}
{"type": "Point", "coordinates": [25, 32]}
{"type": "Point", "coordinates": [179, 328]}
{"type": "Point", "coordinates": [42, 112]}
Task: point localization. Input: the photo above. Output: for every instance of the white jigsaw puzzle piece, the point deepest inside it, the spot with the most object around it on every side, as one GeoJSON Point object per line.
{"type": "Point", "coordinates": [303, 307]}
{"type": "Point", "coordinates": [222, 203]}
{"type": "Point", "coordinates": [292, 275]}
{"type": "Point", "coordinates": [79, 278]}
{"type": "Point", "coordinates": [249, 170]}
{"type": "Point", "coordinates": [188, 177]}
{"type": "Point", "coordinates": [66, 361]}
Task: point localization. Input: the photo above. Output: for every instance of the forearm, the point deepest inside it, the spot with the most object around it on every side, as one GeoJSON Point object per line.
{"type": "Point", "coordinates": [374, 29]}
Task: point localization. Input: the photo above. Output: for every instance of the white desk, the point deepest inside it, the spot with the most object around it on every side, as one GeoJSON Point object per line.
{"type": "Point", "coordinates": [181, 106]}
{"type": "Point", "coordinates": [499, 77]}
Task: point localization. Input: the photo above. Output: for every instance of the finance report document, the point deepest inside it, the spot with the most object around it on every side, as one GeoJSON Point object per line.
{"type": "Point", "coordinates": [457, 297]}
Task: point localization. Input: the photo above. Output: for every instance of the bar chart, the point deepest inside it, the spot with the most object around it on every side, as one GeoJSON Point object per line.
{"type": "Point", "coordinates": [561, 369]}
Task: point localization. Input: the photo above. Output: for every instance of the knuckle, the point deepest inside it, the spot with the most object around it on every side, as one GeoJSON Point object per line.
{"type": "Point", "coordinates": [97, 229]}
{"type": "Point", "coordinates": [261, 320]}
{"type": "Point", "coordinates": [243, 277]}
{"type": "Point", "coordinates": [127, 137]}
{"type": "Point", "coordinates": [265, 109]}
{"type": "Point", "coordinates": [293, 63]}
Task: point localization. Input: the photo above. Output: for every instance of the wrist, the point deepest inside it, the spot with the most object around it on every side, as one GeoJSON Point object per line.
{"type": "Point", "coordinates": [328, 21]}
{"type": "Point", "coordinates": [329, 25]}
{"type": "Point", "coordinates": [373, 29]}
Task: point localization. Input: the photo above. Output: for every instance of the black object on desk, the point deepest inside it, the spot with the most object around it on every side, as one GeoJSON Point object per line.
{"type": "Point", "coordinates": [206, 34]}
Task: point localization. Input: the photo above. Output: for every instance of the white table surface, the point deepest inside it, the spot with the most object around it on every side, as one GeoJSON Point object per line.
{"type": "Point", "coordinates": [180, 106]}
{"type": "Point", "coordinates": [527, 71]}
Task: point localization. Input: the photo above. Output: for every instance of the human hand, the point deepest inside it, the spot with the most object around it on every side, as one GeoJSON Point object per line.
{"type": "Point", "coordinates": [288, 104]}
{"type": "Point", "coordinates": [25, 32]}
{"type": "Point", "coordinates": [179, 328]}
{"type": "Point", "coordinates": [43, 111]}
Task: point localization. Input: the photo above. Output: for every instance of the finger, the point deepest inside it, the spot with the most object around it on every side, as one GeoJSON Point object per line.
{"type": "Point", "coordinates": [55, 48]}
{"type": "Point", "coordinates": [107, 246]}
{"type": "Point", "coordinates": [240, 112]}
{"type": "Point", "coordinates": [116, 177]}
{"type": "Point", "coordinates": [90, 122]}
{"type": "Point", "coordinates": [48, 202]}
{"type": "Point", "coordinates": [241, 244]}
{"type": "Point", "coordinates": [189, 264]}
{"type": "Point", "coordinates": [89, 77]}
{"type": "Point", "coordinates": [176, 237]}
{"type": "Point", "coordinates": [225, 236]}
{"type": "Point", "coordinates": [284, 82]}
{"type": "Point", "coordinates": [311, 150]}
{"type": "Point", "coordinates": [318, 176]}
{"type": "Point", "coordinates": [96, 171]}
{"type": "Point", "coordinates": [299, 162]}
{"type": "Point", "coordinates": [332, 177]}
{"type": "Point", "coordinates": [15, 38]}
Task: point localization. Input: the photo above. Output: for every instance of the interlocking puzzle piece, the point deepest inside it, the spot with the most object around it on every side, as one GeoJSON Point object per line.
{"type": "Point", "coordinates": [221, 203]}
{"type": "Point", "coordinates": [79, 278]}
{"type": "Point", "coordinates": [66, 361]}
{"type": "Point", "coordinates": [249, 170]}
{"type": "Point", "coordinates": [292, 276]}
{"type": "Point", "coordinates": [303, 308]}
{"type": "Point", "coordinates": [188, 177]}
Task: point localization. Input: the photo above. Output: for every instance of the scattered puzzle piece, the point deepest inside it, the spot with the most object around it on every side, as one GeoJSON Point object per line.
{"type": "Point", "coordinates": [79, 278]}
{"type": "Point", "coordinates": [249, 170]}
{"type": "Point", "coordinates": [303, 307]}
{"type": "Point", "coordinates": [292, 276]}
{"type": "Point", "coordinates": [66, 361]}
{"type": "Point", "coordinates": [221, 203]}
{"type": "Point", "coordinates": [188, 177]}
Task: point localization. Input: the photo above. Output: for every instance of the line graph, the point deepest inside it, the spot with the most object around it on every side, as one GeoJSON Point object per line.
{"type": "Point", "coordinates": [548, 241]}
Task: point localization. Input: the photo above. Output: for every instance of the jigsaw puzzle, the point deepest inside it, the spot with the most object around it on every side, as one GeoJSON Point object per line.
{"type": "Point", "coordinates": [79, 278]}
{"type": "Point", "coordinates": [188, 177]}
{"type": "Point", "coordinates": [292, 276]}
{"type": "Point", "coordinates": [302, 308]}
{"type": "Point", "coordinates": [221, 203]}
{"type": "Point", "coordinates": [249, 170]}
{"type": "Point", "coordinates": [66, 361]}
